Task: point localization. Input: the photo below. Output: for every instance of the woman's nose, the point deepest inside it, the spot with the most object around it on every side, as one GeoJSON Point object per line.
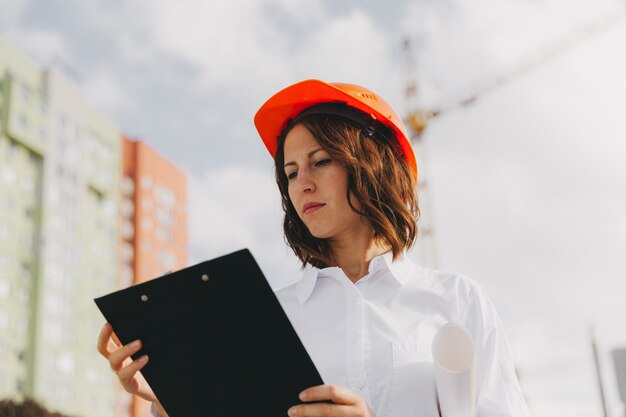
{"type": "Point", "coordinates": [306, 182]}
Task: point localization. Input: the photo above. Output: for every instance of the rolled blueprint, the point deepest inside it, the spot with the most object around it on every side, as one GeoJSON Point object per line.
{"type": "Point", "coordinates": [453, 355]}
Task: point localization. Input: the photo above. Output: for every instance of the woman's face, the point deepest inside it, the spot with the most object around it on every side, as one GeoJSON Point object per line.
{"type": "Point", "coordinates": [318, 187]}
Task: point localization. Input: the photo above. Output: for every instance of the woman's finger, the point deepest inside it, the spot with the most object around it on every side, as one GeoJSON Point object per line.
{"type": "Point", "coordinates": [117, 357]}
{"type": "Point", "coordinates": [335, 393]}
{"type": "Point", "coordinates": [127, 373]}
{"type": "Point", "coordinates": [103, 340]}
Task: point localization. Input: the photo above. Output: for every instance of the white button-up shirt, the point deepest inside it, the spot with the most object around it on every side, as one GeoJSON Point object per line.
{"type": "Point", "coordinates": [375, 336]}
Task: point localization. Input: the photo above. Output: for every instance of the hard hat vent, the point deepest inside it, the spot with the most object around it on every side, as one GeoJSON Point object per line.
{"type": "Point", "coordinates": [366, 95]}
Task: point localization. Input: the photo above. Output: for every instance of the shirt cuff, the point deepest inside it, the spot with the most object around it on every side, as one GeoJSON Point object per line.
{"type": "Point", "coordinates": [153, 410]}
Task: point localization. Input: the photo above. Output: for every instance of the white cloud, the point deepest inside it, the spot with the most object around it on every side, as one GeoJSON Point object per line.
{"type": "Point", "coordinates": [11, 12]}
{"type": "Point", "coordinates": [105, 92]}
{"type": "Point", "coordinates": [349, 48]}
{"type": "Point", "coordinates": [43, 46]}
{"type": "Point", "coordinates": [231, 42]}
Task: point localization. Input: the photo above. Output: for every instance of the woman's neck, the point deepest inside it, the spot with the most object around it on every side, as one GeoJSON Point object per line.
{"type": "Point", "coordinates": [354, 253]}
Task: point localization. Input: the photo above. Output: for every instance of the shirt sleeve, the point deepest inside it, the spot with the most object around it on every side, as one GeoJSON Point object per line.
{"type": "Point", "coordinates": [154, 411]}
{"type": "Point", "coordinates": [497, 388]}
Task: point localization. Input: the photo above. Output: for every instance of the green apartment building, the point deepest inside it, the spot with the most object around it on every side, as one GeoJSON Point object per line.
{"type": "Point", "coordinates": [59, 239]}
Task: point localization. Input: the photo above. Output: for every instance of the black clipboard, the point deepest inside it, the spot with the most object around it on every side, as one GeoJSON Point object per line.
{"type": "Point", "coordinates": [218, 340]}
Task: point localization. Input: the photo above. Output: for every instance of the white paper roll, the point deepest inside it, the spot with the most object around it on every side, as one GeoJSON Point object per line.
{"type": "Point", "coordinates": [453, 355]}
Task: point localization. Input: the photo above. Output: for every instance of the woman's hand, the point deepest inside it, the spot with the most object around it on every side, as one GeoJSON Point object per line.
{"type": "Point", "coordinates": [125, 369]}
{"type": "Point", "coordinates": [345, 403]}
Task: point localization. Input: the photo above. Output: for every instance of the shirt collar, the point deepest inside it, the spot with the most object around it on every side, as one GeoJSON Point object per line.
{"type": "Point", "coordinates": [305, 286]}
{"type": "Point", "coordinates": [400, 270]}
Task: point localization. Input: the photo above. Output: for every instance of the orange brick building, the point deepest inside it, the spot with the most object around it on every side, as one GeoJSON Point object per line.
{"type": "Point", "coordinates": [154, 222]}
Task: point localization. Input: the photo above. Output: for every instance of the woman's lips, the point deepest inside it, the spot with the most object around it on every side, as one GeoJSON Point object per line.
{"type": "Point", "coordinates": [311, 207]}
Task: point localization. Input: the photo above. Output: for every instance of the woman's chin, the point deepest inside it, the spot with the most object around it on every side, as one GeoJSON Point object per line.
{"type": "Point", "coordinates": [320, 234]}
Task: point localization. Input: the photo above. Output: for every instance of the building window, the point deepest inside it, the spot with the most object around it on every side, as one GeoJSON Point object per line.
{"type": "Point", "coordinates": [54, 277]}
{"type": "Point", "coordinates": [60, 171]}
{"type": "Point", "coordinates": [165, 216]}
{"type": "Point", "coordinates": [5, 231]}
{"type": "Point", "coordinates": [165, 235]}
{"type": "Point", "coordinates": [53, 332]}
{"type": "Point", "coordinates": [146, 224]}
{"type": "Point", "coordinates": [128, 208]}
{"type": "Point", "coordinates": [53, 304]}
{"type": "Point", "coordinates": [21, 386]}
{"type": "Point", "coordinates": [109, 208]}
{"type": "Point", "coordinates": [127, 276]}
{"type": "Point", "coordinates": [23, 121]}
{"type": "Point", "coordinates": [4, 261]}
{"type": "Point", "coordinates": [146, 181]}
{"type": "Point", "coordinates": [26, 273]}
{"type": "Point", "coordinates": [14, 150]}
{"type": "Point", "coordinates": [27, 241]}
{"type": "Point", "coordinates": [165, 196]}
{"type": "Point", "coordinates": [91, 375]}
{"type": "Point", "coordinates": [9, 175]}
{"type": "Point", "coordinates": [127, 230]}
{"type": "Point", "coordinates": [8, 202]}
{"type": "Point", "coordinates": [23, 297]}
{"type": "Point", "coordinates": [128, 186]}
{"type": "Point", "coordinates": [167, 260]}
{"type": "Point", "coordinates": [28, 185]}
{"type": "Point", "coordinates": [70, 130]}
{"type": "Point", "coordinates": [61, 147]}
{"type": "Point", "coordinates": [5, 287]}
{"type": "Point", "coordinates": [127, 252]}
{"type": "Point", "coordinates": [146, 246]}
{"type": "Point", "coordinates": [4, 320]}
{"type": "Point", "coordinates": [25, 94]}
{"type": "Point", "coordinates": [70, 282]}
{"type": "Point", "coordinates": [65, 363]}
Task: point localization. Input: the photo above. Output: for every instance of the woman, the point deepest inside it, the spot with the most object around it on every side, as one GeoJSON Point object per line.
{"type": "Point", "coordinates": [366, 314]}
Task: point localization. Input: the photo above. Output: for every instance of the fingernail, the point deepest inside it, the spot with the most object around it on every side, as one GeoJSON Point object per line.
{"type": "Point", "coordinates": [292, 411]}
{"type": "Point", "coordinates": [303, 395]}
{"type": "Point", "coordinates": [135, 344]}
{"type": "Point", "coordinates": [143, 359]}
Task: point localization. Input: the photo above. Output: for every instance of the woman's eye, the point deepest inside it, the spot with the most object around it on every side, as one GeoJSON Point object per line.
{"type": "Point", "coordinates": [323, 162]}
{"type": "Point", "coordinates": [291, 175]}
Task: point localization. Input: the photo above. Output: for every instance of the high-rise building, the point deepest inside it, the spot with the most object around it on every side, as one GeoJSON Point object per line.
{"type": "Point", "coordinates": [70, 186]}
{"type": "Point", "coordinates": [60, 170]}
{"type": "Point", "coordinates": [154, 221]}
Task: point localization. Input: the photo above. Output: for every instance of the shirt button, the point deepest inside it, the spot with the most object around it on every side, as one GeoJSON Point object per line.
{"type": "Point", "coordinates": [359, 384]}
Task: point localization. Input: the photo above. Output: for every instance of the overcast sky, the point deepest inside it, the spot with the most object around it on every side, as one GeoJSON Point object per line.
{"type": "Point", "coordinates": [528, 185]}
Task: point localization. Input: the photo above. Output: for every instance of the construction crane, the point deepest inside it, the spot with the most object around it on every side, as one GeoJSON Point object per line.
{"type": "Point", "coordinates": [418, 118]}
{"type": "Point", "coordinates": [425, 248]}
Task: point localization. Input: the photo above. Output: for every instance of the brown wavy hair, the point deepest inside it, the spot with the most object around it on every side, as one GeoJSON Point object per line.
{"type": "Point", "coordinates": [378, 177]}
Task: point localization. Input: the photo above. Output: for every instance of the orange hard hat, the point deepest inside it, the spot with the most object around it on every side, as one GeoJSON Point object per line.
{"type": "Point", "coordinates": [275, 113]}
